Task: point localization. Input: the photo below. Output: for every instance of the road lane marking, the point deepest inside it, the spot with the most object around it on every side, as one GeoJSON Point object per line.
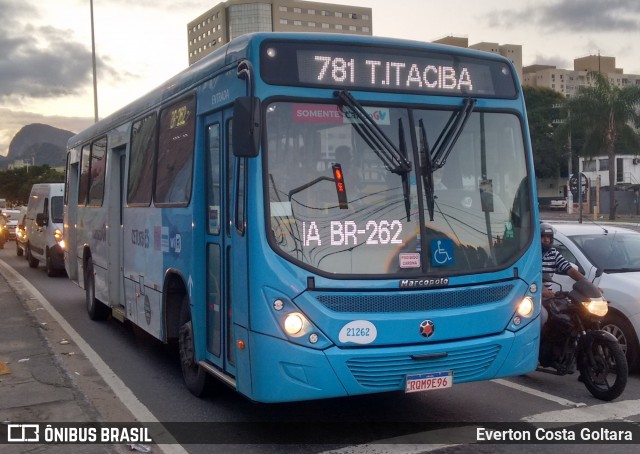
{"type": "Point", "coordinates": [541, 394]}
{"type": "Point", "coordinates": [387, 448]}
{"type": "Point", "coordinates": [122, 392]}
{"type": "Point", "coordinates": [602, 412]}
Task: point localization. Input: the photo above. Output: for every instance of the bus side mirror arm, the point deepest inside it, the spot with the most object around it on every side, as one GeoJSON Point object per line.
{"type": "Point", "coordinates": [246, 129]}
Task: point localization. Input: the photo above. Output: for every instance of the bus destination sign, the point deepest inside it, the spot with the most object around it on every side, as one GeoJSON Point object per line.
{"type": "Point", "coordinates": [395, 70]}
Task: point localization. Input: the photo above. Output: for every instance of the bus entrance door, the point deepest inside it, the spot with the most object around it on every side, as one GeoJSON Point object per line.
{"type": "Point", "coordinates": [218, 307]}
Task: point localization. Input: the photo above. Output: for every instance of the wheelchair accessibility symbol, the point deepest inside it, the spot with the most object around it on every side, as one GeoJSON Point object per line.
{"type": "Point", "coordinates": [442, 252]}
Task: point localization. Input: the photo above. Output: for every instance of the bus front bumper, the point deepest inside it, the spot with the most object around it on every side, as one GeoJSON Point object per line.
{"type": "Point", "coordinates": [283, 372]}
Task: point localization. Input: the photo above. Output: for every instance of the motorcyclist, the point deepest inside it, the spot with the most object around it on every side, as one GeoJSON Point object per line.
{"type": "Point", "coordinates": [553, 262]}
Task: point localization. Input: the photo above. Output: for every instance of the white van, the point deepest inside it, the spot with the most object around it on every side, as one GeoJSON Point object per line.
{"type": "Point", "coordinates": [43, 226]}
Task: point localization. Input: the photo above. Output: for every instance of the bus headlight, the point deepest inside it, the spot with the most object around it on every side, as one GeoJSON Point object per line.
{"type": "Point", "coordinates": [526, 306]}
{"type": "Point", "coordinates": [294, 324]}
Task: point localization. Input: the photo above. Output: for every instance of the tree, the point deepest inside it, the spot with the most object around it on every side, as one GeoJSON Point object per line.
{"type": "Point", "coordinates": [607, 116]}
{"type": "Point", "coordinates": [15, 184]}
{"type": "Point", "coordinates": [548, 157]}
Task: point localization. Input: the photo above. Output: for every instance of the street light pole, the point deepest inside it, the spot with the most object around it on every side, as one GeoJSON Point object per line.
{"type": "Point", "coordinates": [567, 121]}
{"type": "Point", "coordinates": [93, 58]}
{"type": "Point", "coordinates": [569, 126]}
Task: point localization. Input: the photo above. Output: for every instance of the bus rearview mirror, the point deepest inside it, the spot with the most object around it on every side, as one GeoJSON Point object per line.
{"type": "Point", "coordinates": [246, 127]}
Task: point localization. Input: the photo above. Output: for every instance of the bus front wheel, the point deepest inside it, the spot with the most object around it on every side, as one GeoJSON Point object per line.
{"type": "Point", "coordinates": [195, 377]}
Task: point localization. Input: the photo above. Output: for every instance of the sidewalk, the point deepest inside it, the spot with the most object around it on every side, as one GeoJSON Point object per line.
{"type": "Point", "coordinates": [39, 380]}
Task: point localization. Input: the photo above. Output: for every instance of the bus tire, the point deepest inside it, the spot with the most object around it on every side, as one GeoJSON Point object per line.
{"type": "Point", "coordinates": [195, 377]}
{"type": "Point", "coordinates": [96, 309]}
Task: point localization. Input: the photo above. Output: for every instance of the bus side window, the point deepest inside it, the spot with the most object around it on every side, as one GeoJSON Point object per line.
{"type": "Point", "coordinates": [97, 172]}
{"type": "Point", "coordinates": [85, 165]}
{"type": "Point", "coordinates": [240, 195]}
{"type": "Point", "coordinates": [174, 163]}
{"type": "Point", "coordinates": [213, 184]}
{"type": "Point", "coordinates": [143, 145]}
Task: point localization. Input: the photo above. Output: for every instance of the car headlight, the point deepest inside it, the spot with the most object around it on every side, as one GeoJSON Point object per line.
{"type": "Point", "coordinates": [597, 306]}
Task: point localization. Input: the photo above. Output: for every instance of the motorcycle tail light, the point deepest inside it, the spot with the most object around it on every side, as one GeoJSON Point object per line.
{"type": "Point", "coordinates": [597, 307]}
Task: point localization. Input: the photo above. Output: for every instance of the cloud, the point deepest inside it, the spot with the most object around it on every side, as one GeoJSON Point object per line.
{"type": "Point", "coordinates": [554, 60]}
{"type": "Point", "coordinates": [171, 5]}
{"type": "Point", "coordinates": [561, 16]}
{"type": "Point", "coordinates": [39, 61]}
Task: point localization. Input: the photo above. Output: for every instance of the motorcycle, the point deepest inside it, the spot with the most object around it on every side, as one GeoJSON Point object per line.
{"type": "Point", "coordinates": [571, 338]}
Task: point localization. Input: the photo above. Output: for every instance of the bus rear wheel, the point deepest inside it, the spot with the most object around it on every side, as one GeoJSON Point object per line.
{"type": "Point", "coordinates": [96, 309]}
{"type": "Point", "coordinates": [195, 377]}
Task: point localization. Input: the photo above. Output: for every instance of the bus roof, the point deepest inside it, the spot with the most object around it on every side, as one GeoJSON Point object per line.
{"type": "Point", "coordinates": [241, 48]}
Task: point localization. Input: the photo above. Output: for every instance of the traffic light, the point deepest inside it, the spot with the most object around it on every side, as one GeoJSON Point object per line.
{"type": "Point", "coordinates": [341, 189]}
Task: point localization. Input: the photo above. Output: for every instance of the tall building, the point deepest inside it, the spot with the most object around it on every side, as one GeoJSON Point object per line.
{"type": "Point", "coordinates": [567, 81]}
{"type": "Point", "coordinates": [511, 51]}
{"type": "Point", "coordinates": [233, 18]}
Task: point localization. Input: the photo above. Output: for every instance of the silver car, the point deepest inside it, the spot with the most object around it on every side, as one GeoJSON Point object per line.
{"type": "Point", "coordinates": [12, 222]}
{"type": "Point", "coordinates": [610, 258]}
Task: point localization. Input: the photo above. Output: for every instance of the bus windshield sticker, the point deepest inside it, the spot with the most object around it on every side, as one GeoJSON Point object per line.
{"type": "Point", "coordinates": [442, 252]}
{"type": "Point", "coordinates": [327, 113]}
{"type": "Point", "coordinates": [214, 218]}
{"type": "Point", "coordinates": [377, 114]}
{"type": "Point", "coordinates": [358, 332]}
{"type": "Point", "coordinates": [410, 260]}
{"type": "Point", "coordinates": [281, 209]}
{"type": "Point", "coordinates": [316, 113]}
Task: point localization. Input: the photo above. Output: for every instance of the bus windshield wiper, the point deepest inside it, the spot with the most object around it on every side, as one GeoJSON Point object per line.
{"type": "Point", "coordinates": [392, 157]}
{"type": "Point", "coordinates": [405, 175]}
{"type": "Point", "coordinates": [389, 154]}
{"type": "Point", "coordinates": [432, 161]}
{"type": "Point", "coordinates": [427, 169]}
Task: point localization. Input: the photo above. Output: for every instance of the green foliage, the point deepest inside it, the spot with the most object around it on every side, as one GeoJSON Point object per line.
{"type": "Point", "coordinates": [605, 114]}
{"type": "Point", "coordinates": [607, 118]}
{"type": "Point", "coordinates": [15, 184]}
{"type": "Point", "coordinates": [549, 155]}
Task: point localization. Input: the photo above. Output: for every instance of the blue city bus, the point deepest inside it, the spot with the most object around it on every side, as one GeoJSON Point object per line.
{"type": "Point", "coordinates": [311, 216]}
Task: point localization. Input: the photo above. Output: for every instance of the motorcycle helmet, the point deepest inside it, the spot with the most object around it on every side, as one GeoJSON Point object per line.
{"type": "Point", "coordinates": [546, 229]}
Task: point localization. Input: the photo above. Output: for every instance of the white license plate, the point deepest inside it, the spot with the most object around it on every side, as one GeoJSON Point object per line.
{"type": "Point", "coordinates": [427, 382]}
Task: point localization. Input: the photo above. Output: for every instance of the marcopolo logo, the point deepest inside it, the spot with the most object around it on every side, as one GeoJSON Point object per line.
{"type": "Point", "coordinates": [424, 283]}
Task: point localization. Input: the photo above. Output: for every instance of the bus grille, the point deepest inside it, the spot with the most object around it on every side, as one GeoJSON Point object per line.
{"type": "Point", "coordinates": [414, 301]}
{"type": "Point", "coordinates": [388, 372]}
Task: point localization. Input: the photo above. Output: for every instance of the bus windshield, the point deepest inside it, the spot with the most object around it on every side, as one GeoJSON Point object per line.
{"type": "Point", "coordinates": [336, 205]}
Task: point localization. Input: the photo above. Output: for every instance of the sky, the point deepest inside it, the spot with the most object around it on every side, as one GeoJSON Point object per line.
{"type": "Point", "coordinates": [46, 64]}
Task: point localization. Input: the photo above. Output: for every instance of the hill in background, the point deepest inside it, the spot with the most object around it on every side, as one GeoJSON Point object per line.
{"type": "Point", "coordinates": [39, 144]}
